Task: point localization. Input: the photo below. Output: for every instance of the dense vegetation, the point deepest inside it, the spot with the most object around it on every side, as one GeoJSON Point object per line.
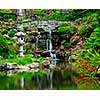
{"type": "Point", "coordinates": [6, 14]}
{"type": "Point", "coordinates": [85, 26]}
{"type": "Point", "coordinates": [4, 48]}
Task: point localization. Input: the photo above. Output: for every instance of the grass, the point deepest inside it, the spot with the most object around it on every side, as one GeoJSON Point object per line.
{"type": "Point", "coordinates": [22, 61]}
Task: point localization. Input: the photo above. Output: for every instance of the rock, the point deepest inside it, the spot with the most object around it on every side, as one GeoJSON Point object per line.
{"type": "Point", "coordinates": [9, 65]}
{"type": "Point", "coordinates": [33, 65]}
{"type": "Point", "coordinates": [62, 47]}
{"type": "Point", "coordinates": [46, 63]}
{"type": "Point", "coordinates": [36, 64]}
{"type": "Point", "coordinates": [98, 71]}
{"type": "Point", "coordinates": [18, 34]}
{"type": "Point", "coordinates": [52, 66]}
{"type": "Point", "coordinates": [7, 36]}
{"type": "Point", "coordinates": [23, 68]}
{"type": "Point", "coordinates": [48, 58]}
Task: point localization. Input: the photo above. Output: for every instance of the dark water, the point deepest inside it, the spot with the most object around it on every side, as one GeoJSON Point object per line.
{"type": "Point", "coordinates": [64, 79]}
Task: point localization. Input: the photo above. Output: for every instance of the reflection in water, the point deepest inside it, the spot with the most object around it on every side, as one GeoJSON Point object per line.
{"type": "Point", "coordinates": [22, 82]}
{"type": "Point", "coordinates": [51, 83]}
{"type": "Point", "coordinates": [52, 80]}
{"type": "Point", "coordinates": [38, 82]}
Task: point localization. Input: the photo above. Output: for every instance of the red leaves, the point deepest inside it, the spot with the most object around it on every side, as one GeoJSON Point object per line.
{"type": "Point", "coordinates": [85, 66]}
{"type": "Point", "coordinates": [92, 69]}
{"type": "Point", "coordinates": [82, 76]}
{"type": "Point", "coordinates": [88, 70]}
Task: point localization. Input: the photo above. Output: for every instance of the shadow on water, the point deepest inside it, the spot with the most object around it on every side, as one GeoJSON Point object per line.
{"type": "Point", "coordinates": [63, 79]}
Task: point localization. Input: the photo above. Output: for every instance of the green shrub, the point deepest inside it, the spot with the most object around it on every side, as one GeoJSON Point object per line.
{"type": "Point", "coordinates": [25, 28]}
{"type": "Point", "coordinates": [67, 29]}
{"type": "Point", "coordinates": [94, 41]}
{"type": "Point", "coordinates": [4, 48]}
{"type": "Point", "coordinates": [67, 44]}
{"type": "Point", "coordinates": [12, 33]}
{"type": "Point", "coordinates": [88, 62]}
{"type": "Point", "coordinates": [86, 30]}
{"type": "Point", "coordinates": [21, 61]}
{"type": "Point", "coordinates": [4, 31]}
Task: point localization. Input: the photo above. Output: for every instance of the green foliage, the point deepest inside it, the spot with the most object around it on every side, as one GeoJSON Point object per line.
{"type": "Point", "coordinates": [12, 33]}
{"type": "Point", "coordinates": [94, 41]}
{"type": "Point", "coordinates": [25, 28]}
{"type": "Point", "coordinates": [67, 44]}
{"type": "Point", "coordinates": [86, 31]}
{"type": "Point", "coordinates": [7, 14]}
{"type": "Point", "coordinates": [69, 15]}
{"type": "Point", "coordinates": [21, 61]}
{"type": "Point", "coordinates": [4, 31]}
{"type": "Point", "coordinates": [11, 41]}
{"type": "Point", "coordinates": [67, 29]}
{"type": "Point", "coordinates": [24, 20]}
{"type": "Point", "coordinates": [88, 62]}
{"type": "Point", "coordinates": [4, 48]}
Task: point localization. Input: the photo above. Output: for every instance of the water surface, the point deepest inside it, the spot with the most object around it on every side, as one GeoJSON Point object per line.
{"type": "Point", "coordinates": [63, 79]}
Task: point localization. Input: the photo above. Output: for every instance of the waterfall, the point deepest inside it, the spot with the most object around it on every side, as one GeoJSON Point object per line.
{"type": "Point", "coordinates": [50, 42]}
{"type": "Point", "coordinates": [47, 44]}
{"type": "Point", "coordinates": [37, 41]}
{"type": "Point", "coordinates": [53, 56]}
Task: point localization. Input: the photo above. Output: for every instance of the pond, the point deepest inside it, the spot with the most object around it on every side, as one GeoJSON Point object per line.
{"type": "Point", "coordinates": [63, 79]}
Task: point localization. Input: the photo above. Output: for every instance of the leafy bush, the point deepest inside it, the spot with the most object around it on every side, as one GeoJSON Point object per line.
{"type": "Point", "coordinates": [21, 61]}
{"type": "Point", "coordinates": [88, 63]}
{"type": "Point", "coordinates": [25, 28]}
{"type": "Point", "coordinates": [11, 41]}
{"type": "Point", "coordinates": [4, 31]}
{"type": "Point", "coordinates": [86, 30]}
{"type": "Point", "coordinates": [66, 29]}
{"type": "Point", "coordinates": [24, 20]}
{"type": "Point", "coordinates": [12, 33]}
{"type": "Point", "coordinates": [4, 48]}
{"type": "Point", "coordinates": [94, 41]}
{"type": "Point", "coordinates": [67, 44]}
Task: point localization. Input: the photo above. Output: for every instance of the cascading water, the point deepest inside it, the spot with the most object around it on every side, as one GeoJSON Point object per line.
{"type": "Point", "coordinates": [50, 42]}
{"type": "Point", "coordinates": [47, 44]}
{"type": "Point", "coordinates": [53, 56]}
{"type": "Point", "coordinates": [37, 41]}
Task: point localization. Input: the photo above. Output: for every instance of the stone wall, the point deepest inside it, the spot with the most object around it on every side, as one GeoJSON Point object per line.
{"type": "Point", "coordinates": [34, 32]}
